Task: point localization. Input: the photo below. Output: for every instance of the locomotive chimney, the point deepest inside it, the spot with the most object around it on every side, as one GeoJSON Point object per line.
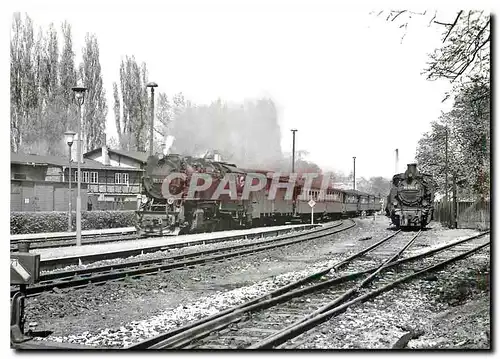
{"type": "Point", "coordinates": [411, 171]}
{"type": "Point", "coordinates": [105, 155]}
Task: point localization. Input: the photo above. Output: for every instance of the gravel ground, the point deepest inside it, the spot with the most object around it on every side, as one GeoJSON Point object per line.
{"type": "Point", "coordinates": [115, 304]}
{"type": "Point", "coordinates": [448, 310]}
{"type": "Point", "coordinates": [120, 313]}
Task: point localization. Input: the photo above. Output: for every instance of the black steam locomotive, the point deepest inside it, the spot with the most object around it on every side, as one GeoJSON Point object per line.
{"type": "Point", "coordinates": [168, 208]}
{"type": "Point", "coordinates": [172, 214]}
{"type": "Point", "coordinates": [410, 203]}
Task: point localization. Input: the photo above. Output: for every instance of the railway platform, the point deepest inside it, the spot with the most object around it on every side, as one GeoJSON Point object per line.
{"type": "Point", "coordinates": [59, 257]}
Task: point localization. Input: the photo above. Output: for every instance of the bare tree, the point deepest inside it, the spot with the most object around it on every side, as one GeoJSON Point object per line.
{"type": "Point", "coordinates": [465, 46]}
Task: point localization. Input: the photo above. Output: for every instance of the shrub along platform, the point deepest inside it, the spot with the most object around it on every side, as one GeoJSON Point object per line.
{"type": "Point", "coordinates": [44, 222]}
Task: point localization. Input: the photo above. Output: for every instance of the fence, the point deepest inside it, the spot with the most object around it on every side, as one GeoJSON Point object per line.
{"type": "Point", "coordinates": [468, 214]}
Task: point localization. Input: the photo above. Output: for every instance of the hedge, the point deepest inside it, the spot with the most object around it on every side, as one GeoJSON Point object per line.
{"type": "Point", "coordinates": [42, 222]}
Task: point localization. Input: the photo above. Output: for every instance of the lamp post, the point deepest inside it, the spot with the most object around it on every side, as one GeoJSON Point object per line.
{"type": "Point", "coordinates": [80, 98]}
{"type": "Point", "coordinates": [152, 85]}
{"type": "Point", "coordinates": [70, 136]}
{"type": "Point", "coordinates": [354, 174]}
{"type": "Point", "coordinates": [293, 165]}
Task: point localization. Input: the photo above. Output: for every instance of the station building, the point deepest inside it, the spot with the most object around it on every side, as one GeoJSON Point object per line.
{"type": "Point", "coordinates": [111, 180]}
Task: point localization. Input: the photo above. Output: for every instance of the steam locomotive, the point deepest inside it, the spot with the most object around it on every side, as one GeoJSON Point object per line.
{"type": "Point", "coordinates": [410, 201]}
{"type": "Point", "coordinates": [182, 212]}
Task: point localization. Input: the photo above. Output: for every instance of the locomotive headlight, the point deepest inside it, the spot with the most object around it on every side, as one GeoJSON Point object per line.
{"type": "Point", "coordinates": [425, 203]}
{"type": "Point", "coordinates": [395, 203]}
{"type": "Point", "coordinates": [144, 198]}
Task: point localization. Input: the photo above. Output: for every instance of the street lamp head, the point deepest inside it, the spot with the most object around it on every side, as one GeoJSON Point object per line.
{"type": "Point", "coordinates": [294, 130]}
{"type": "Point", "coordinates": [79, 93]}
{"type": "Point", "coordinates": [152, 84]}
{"type": "Point", "coordinates": [70, 137]}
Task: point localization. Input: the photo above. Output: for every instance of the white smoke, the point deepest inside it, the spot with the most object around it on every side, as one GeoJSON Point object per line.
{"type": "Point", "coordinates": [169, 141]}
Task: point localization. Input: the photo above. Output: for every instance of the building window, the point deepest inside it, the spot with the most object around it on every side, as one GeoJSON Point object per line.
{"type": "Point", "coordinates": [20, 176]}
{"type": "Point", "coordinates": [121, 178]}
{"type": "Point", "coordinates": [94, 177]}
{"type": "Point", "coordinates": [85, 176]}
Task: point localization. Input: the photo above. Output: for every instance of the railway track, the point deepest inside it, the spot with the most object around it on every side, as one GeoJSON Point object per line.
{"type": "Point", "coordinates": [97, 275]}
{"type": "Point", "coordinates": [65, 242]}
{"type": "Point", "coordinates": [273, 320]}
{"type": "Point", "coordinates": [100, 238]}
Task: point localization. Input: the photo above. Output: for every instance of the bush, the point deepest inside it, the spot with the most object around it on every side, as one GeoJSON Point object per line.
{"type": "Point", "coordinates": [41, 222]}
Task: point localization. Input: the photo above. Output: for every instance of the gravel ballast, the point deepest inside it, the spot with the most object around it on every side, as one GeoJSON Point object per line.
{"type": "Point", "coordinates": [121, 313]}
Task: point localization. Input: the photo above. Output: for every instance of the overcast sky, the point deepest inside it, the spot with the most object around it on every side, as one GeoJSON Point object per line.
{"type": "Point", "coordinates": [341, 76]}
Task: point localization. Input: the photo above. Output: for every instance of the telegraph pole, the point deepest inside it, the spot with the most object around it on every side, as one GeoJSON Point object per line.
{"type": "Point", "coordinates": [396, 162]}
{"type": "Point", "coordinates": [293, 165]}
{"type": "Point", "coordinates": [354, 175]}
{"type": "Point", "coordinates": [446, 165]}
{"type": "Point", "coordinates": [455, 202]}
{"type": "Point", "coordinates": [152, 85]}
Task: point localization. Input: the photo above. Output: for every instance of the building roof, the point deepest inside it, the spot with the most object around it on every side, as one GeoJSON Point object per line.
{"type": "Point", "coordinates": [38, 160]}
{"type": "Point", "coordinates": [135, 155]}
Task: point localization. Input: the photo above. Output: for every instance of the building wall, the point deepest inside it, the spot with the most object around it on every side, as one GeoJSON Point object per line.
{"type": "Point", "coordinates": [106, 181]}
{"type": "Point", "coordinates": [116, 160]}
{"type": "Point", "coordinates": [45, 188]}
{"type": "Point", "coordinates": [108, 195]}
{"type": "Point", "coordinates": [26, 195]}
{"type": "Point", "coordinates": [31, 172]}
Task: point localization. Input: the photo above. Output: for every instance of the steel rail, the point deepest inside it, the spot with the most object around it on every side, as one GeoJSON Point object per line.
{"type": "Point", "coordinates": [179, 336]}
{"type": "Point", "coordinates": [303, 326]}
{"type": "Point", "coordinates": [102, 236]}
{"type": "Point", "coordinates": [185, 334]}
{"type": "Point", "coordinates": [179, 344]}
{"type": "Point", "coordinates": [79, 259]}
{"type": "Point", "coordinates": [180, 257]}
{"type": "Point", "coordinates": [37, 237]}
{"type": "Point", "coordinates": [86, 240]}
{"type": "Point", "coordinates": [83, 277]}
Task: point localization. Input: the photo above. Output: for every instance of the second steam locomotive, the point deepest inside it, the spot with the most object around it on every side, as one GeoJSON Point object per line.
{"type": "Point", "coordinates": [411, 199]}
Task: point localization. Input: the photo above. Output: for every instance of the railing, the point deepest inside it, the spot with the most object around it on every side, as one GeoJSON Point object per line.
{"type": "Point", "coordinates": [113, 188]}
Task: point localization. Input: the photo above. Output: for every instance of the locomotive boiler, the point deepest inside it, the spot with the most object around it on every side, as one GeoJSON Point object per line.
{"type": "Point", "coordinates": [410, 201]}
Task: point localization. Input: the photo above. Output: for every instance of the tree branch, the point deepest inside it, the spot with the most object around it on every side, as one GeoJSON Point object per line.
{"type": "Point", "coordinates": [467, 64]}
{"type": "Point", "coordinates": [401, 12]}
{"type": "Point", "coordinates": [430, 22]}
{"type": "Point", "coordinates": [442, 23]}
{"type": "Point", "coordinates": [453, 25]}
